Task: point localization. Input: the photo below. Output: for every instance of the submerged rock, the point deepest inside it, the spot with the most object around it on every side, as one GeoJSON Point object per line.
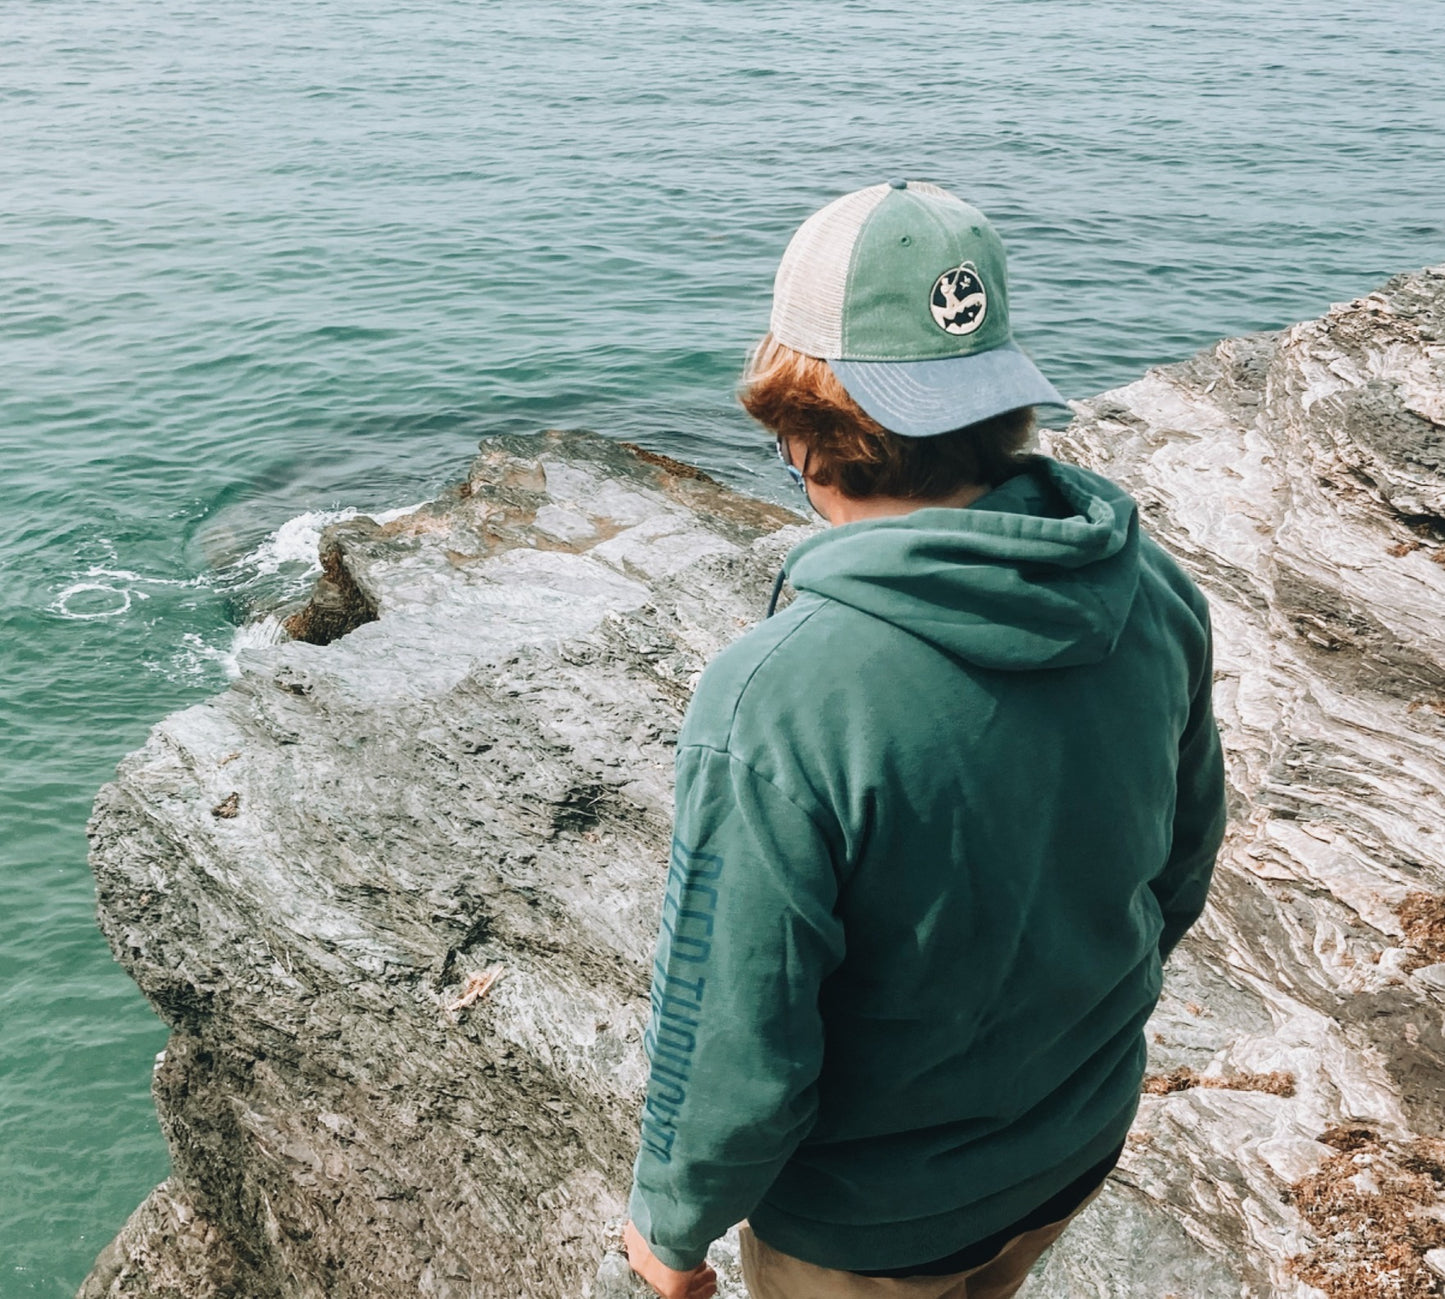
{"type": "Point", "coordinates": [460, 771]}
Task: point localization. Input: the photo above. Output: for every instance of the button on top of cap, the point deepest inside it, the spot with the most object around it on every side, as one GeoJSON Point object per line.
{"type": "Point", "coordinates": [898, 183]}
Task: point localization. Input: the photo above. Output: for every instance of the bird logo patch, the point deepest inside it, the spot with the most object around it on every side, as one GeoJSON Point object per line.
{"type": "Point", "coordinates": [958, 300]}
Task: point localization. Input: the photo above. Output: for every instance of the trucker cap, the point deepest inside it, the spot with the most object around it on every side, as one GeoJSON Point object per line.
{"type": "Point", "coordinates": [902, 289]}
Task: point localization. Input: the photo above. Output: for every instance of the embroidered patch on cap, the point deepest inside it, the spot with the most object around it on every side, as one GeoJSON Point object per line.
{"type": "Point", "coordinates": [958, 300]}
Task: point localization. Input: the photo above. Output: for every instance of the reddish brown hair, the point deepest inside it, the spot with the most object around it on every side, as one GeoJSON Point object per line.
{"type": "Point", "coordinates": [798, 396]}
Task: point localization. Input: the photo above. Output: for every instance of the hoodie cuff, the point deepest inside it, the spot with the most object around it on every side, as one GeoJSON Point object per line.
{"type": "Point", "coordinates": [680, 1260]}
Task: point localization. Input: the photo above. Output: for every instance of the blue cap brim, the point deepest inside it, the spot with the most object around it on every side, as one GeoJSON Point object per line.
{"type": "Point", "coordinates": [921, 399]}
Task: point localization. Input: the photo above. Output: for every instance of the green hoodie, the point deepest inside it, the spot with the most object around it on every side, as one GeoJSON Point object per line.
{"type": "Point", "coordinates": [939, 823]}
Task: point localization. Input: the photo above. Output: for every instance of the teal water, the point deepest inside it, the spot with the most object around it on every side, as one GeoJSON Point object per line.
{"type": "Point", "coordinates": [263, 260]}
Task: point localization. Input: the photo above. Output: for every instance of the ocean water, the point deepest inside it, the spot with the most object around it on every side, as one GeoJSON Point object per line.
{"type": "Point", "coordinates": [262, 262]}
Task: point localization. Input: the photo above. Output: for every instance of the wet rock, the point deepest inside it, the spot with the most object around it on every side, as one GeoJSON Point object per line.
{"type": "Point", "coordinates": [470, 768]}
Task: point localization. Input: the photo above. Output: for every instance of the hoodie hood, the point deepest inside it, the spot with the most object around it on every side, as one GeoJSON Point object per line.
{"type": "Point", "coordinates": [1039, 573]}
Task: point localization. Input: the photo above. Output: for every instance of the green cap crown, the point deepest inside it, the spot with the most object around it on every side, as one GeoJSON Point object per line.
{"type": "Point", "coordinates": [897, 272]}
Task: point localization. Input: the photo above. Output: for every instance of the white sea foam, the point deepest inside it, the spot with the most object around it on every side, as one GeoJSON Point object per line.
{"type": "Point", "coordinates": [290, 555]}
{"type": "Point", "coordinates": [199, 657]}
{"type": "Point", "coordinates": [293, 551]}
{"type": "Point", "coordinates": [62, 602]}
{"type": "Point", "coordinates": [124, 584]}
{"type": "Point", "coordinates": [298, 540]}
{"type": "Point", "coordinates": [126, 575]}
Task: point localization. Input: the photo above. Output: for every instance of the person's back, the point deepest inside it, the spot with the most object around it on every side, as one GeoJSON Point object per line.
{"type": "Point", "coordinates": [939, 821]}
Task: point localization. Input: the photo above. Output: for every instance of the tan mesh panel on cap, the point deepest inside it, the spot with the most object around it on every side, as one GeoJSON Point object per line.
{"type": "Point", "coordinates": [813, 275]}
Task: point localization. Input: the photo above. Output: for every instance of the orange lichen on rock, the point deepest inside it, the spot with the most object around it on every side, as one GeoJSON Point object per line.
{"type": "Point", "coordinates": [674, 467]}
{"type": "Point", "coordinates": [1277, 1083]}
{"type": "Point", "coordinates": [477, 986]}
{"type": "Point", "coordinates": [1378, 1207]}
{"type": "Point", "coordinates": [1422, 915]}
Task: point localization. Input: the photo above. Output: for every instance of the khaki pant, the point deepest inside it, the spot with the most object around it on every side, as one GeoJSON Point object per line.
{"type": "Point", "coordinates": [772, 1275]}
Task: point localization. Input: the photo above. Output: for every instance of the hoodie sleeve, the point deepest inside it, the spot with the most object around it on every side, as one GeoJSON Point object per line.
{"type": "Point", "coordinates": [736, 1037]}
{"type": "Point", "coordinates": [1199, 815]}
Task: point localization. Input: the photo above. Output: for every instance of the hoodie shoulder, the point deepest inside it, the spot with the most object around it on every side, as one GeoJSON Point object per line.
{"type": "Point", "coordinates": [712, 713]}
{"type": "Point", "coordinates": [1164, 568]}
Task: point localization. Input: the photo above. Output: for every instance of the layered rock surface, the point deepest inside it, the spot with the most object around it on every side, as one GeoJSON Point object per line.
{"type": "Point", "coordinates": [471, 773]}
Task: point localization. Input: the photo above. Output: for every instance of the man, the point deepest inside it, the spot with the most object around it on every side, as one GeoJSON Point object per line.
{"type": "Point", "coordinates": [939, 822]}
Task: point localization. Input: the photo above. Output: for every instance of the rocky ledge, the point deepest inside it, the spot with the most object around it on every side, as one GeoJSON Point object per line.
{"type": "Point", "coordinates": [395, 890]}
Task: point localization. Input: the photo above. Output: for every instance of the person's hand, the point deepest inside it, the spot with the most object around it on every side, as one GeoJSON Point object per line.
{"type": "Point", "coordinates": [700, 1283]}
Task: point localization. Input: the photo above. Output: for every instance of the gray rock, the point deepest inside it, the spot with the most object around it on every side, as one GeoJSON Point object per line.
{"type": "Point", "coordinates": [463, 762]}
